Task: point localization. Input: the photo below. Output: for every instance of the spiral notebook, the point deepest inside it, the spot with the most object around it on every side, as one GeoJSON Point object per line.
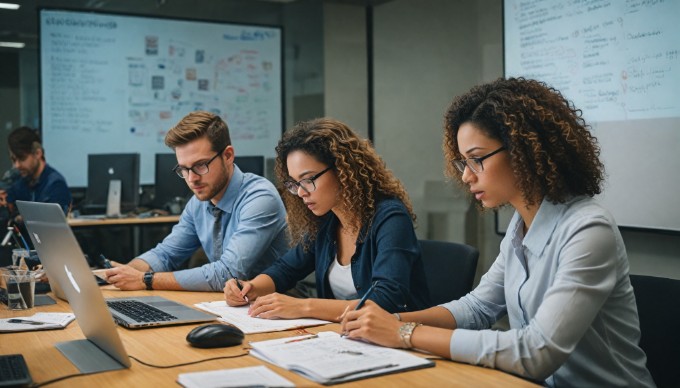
{"type": "Point", "coordinates": [327, 358]}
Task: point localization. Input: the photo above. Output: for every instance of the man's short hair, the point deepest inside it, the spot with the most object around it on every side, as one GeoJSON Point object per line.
{"type": "Point", "coordinates": [196, 125]}
{"type": "Point", "coordinates": [23, 141]}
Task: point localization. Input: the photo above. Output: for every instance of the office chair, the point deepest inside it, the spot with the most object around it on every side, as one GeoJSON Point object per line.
{"type": "Point", "coordinates": [449, 268]}
{"type": "Point", "coordinates": [658, 305]}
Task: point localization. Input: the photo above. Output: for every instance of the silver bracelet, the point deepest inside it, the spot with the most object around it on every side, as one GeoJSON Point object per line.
{"type": "Point", "coordinates": [396, 315]}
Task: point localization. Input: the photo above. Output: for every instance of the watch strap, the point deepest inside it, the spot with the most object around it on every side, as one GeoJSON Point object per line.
{"type": "Point", "coordinates": [406, 331]}
{"type": "Point", "coordinates": [148, 280]}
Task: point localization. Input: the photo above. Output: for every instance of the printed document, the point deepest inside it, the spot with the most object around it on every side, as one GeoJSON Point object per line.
{"type": "Point", "coordinates": [254, 376]}
{"type": "Point", "coordinates": [38, 321]}
{"type": "Point", "coordinates": [327, 358]}
{"type": "Point", "coordinates": [238, 316]}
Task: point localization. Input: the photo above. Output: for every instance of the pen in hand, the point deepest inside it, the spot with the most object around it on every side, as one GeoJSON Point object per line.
{"type": "Point", "coordinates": [238, 284]}
{"type": "Point", "coordinates": [368, 293]}
{"type": "Point", "coordinates": [107, 262]}
{"type": "Point", "coordinates": [359, 305]}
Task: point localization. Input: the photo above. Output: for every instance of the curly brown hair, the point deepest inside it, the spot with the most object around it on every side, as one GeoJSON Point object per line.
{"type": "Point", "coordinates": [364, 178]}
{"type": "Point", "coordinates": [553, 153]}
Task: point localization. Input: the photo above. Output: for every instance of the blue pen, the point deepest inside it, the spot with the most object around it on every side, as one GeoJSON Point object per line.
{"type": "Point", "coordinates": [361, 303]}
{"type": "Point", "coordinates": [366, 295]}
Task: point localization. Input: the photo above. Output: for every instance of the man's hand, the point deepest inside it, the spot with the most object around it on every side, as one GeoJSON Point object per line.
{"type": "Point", "coordinates": [125, 277]}
{"type": "Point", "coordinates": [233, 295]}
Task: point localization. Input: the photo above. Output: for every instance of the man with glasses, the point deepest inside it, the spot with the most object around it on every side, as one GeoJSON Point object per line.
{"type": "Point", "coordinates": [237, 218]}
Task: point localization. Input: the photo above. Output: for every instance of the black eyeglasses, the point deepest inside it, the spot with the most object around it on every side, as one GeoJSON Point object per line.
{"type": "Point", "coordinates": [198, 168]}
{"type": "Point", "coordinates": [475, 164]}
{"type": "Point", "coordinates": [307, 184]}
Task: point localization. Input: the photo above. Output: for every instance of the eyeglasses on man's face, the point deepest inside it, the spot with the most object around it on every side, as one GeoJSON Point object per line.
{"type": "Point", "coordinates": [475, 164]}
{"type": "Point", "coordinates": [307, 184]}
{"type": "Point", "coordinates": [198, 168]}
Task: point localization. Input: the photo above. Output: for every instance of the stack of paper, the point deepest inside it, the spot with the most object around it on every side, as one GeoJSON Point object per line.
{"type": "Point", "coordinates": [38, 321]}
{"type": "Point", "coordinates": [254, 376]}
{"type": "Point", "coordinates": [238, 316]}
{"type": "Point", "coordinates": [327, 358]}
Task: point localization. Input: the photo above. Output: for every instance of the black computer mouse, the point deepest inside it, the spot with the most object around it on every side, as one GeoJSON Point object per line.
{"type": "Point", "coordinates": [215, 335]}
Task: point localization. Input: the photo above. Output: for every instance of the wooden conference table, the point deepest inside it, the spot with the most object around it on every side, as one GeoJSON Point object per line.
{"type": "Point", "coordinates": [167, 346]}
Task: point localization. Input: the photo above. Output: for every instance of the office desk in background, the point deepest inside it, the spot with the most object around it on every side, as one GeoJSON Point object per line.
{"type": "Point", "coordinates": [137, 243]}
{"type": "Point", "coordinates": [167, 346]}
{"type": "Point", "coordinates": [132, 221]}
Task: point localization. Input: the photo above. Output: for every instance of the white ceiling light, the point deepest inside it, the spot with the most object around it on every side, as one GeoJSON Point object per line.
{"type": "Point", "coordinates": [9, 6]}
{"type": "Point", "coordinates": [12, 44]}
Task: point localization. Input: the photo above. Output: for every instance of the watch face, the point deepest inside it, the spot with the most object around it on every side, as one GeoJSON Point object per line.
{"type": "Point", "coordinates": [148, 280]}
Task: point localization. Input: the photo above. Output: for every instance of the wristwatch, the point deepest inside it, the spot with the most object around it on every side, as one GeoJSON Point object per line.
{"type": "Point", "coordinates": [405, 332]}
{"type": "Point", "coordinates": [148, 280]}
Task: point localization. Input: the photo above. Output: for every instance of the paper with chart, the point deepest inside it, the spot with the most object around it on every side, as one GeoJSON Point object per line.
{"type": "Point", "coordinates": [328, 358]}
{"type": "Point", "coordinates": [238, 316]}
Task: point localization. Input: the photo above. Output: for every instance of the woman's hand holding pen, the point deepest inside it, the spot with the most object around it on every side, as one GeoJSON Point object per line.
{"type": "Point", "coordinates": [234, 295]}
{"type": "Point", "coordinates": [373, 324]}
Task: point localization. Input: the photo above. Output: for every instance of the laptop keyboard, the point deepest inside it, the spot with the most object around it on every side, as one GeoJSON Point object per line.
{"type": "Point", "coordinates": [14, 371]}
{"type": "Point", "coordinates": [140, 311]}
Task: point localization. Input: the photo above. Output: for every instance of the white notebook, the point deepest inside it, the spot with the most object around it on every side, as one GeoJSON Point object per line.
{"type": "Point", "coordinates": [238, 316]}
{"type": "Point", "coordinates": [37, 321]}
{"type": "Point", "coordinates": [252, 376]}
{"type": "Point", "coordinates": [327, 358]}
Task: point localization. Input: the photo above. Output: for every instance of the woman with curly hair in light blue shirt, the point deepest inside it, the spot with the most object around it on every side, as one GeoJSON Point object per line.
{"type": "Point", "coordinates": [562, 273]}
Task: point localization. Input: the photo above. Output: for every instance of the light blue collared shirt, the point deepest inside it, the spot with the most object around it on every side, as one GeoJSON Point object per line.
{"type": "Point", "coordinates": [566, 290]}
{"type": "Point", "coordinates": [253, 229]}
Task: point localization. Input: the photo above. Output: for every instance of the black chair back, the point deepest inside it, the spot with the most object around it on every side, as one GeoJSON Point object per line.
{"type": "Point", "coordinates": [449, 268]}
{"type": "Point", "coordinates": [658, 304]}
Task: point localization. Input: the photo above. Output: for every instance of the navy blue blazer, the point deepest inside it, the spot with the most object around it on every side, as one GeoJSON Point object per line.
{"type": "Point", "coordinates": [388, 252]}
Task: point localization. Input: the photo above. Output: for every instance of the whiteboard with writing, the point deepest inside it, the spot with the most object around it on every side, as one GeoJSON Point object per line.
{"type": "Point", "coordinates": [619, 62]}
{"type": "Point", "coordinates": [117, 83]}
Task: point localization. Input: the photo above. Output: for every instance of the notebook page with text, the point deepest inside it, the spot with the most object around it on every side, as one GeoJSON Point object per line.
{"type": "Point", "coordinates": [238, 316]}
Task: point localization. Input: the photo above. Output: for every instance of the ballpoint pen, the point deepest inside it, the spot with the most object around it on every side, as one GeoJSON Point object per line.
{"type": "Point", "coordinates": [366, 295]}
{"type": "Point", "coordinates": [238, 284]}
{"type": "Point", "coordinates": [301, 339]}
{"type": "Point", "coordinates": [361, 303]}
{"type": "Point", "coordinates": [371, 369]}
{"type": "Point", "coordinates": [25, 321]}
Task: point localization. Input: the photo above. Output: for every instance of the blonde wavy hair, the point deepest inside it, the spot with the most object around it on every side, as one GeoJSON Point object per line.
{"type": "Point", "coordinates": [364, 178]}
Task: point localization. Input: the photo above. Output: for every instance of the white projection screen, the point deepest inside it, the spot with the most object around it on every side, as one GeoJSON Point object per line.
{"type": "Point", "coordinates": [116, 83]}
{"type": "Point", "coordinates": [619, 62]}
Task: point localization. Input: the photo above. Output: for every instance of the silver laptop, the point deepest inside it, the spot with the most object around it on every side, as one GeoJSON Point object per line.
{"type": "Point", "coordinates": [65, 265]}
{"type": "Point", "coordinates": [58, 250]}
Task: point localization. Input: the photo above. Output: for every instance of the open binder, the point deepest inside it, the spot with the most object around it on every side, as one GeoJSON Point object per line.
{"type": "Point", "coordinates": [327, 358]}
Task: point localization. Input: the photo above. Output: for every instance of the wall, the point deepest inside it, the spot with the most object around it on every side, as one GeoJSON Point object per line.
{"type": "Point", "coordinates": [9, 102]}
{"type": "Point", "coordinates": [345, 65]}
{"type": "Point", "coordinates": [424, 56]}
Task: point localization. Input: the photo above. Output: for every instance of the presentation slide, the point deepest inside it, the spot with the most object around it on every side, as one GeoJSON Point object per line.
{"type": "Point", "coordinates": [116, 84]}
{"type": "Point", "coordinates": [619, 62]}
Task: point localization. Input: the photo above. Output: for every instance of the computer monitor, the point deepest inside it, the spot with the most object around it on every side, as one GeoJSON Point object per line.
{"type": "Point", "coordinates": [168, 186]}
{"type": "Point", "coordinates": [103, 168]}
{"type": "Point", "coordinates": [252, 164]}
